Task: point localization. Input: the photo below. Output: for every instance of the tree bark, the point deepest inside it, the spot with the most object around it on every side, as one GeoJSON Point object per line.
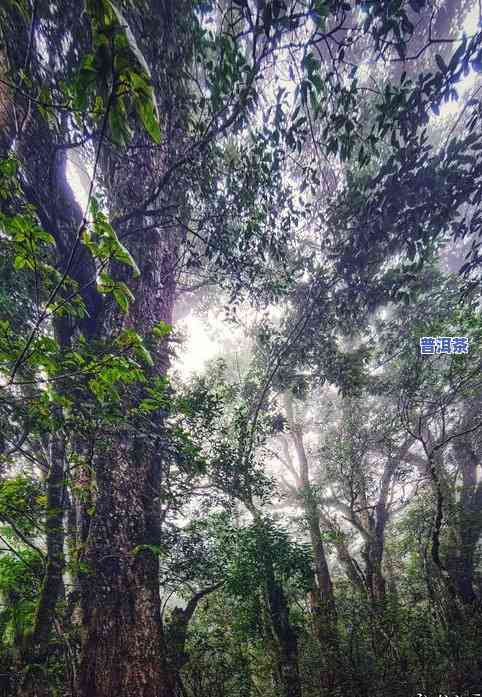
{"type": "Point", "coordinates": [176, 632]}
{"type": "Point", "coordinates": [280, 636]}
{"type": "Point", "coordinates": [36, 644]}
{"type": "Point", "coordinates": [469, 525]}
{"type": "Point", "coordinates": [122, 650]}
{"type": "Point", "coordinates": [286, 638]}
{"type": "Point", "coordinates": [123, 646]}
{"type": "Point", "coordinates": [322, 599]}
{"type": "Point", "coordinates": [6, 107]}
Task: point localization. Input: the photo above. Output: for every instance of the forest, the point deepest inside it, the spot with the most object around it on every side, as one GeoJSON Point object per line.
{"type": "Point", "coordinates": [240, 348]}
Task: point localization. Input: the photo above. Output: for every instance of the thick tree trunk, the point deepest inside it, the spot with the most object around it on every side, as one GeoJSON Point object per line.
{"type": "Point", "coordinates": [375, 579]}
{"type": "Point", "coordinates": [375, 524]}
{"type": "Point", "coordinates": [322, 571]}
{"type": "Point", "coordinates": [36, 645]}
{"type": "Point", "coordinates": [122, 651]}
{"type": "Point", "coordinates": [123, 647]}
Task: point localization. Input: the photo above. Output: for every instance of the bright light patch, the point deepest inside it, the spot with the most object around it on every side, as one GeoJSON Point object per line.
{"type": "Point", "coordinates": [472, 20]}
{"type": "Point", "coordinates": [463, 88]}
{"type": "Point", "coordinates": [198, 349]}
{"type": "Point", "coordinates": [78, 177]}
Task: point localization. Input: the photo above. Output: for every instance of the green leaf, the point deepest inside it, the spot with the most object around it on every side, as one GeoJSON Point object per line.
{"type": "Point", "coordinates": [143, 354]}
{"type": "Point", "coordinates": [148, 405]}
{"type": "Point", "coordinates": [161, 329]}
{"type": "Point", "coordinates": [122, 295]}
{"type": "Point", "coordinates": [147, 112]}
{"type": "Point", "coordinates": [123, 255]}
{"type": "Point", "coordinates": [130, 38]}
{"type": "Point", "coordinates": [155, 549]}
{"type": "Point", "coordinates": [19, 262]}
{"type": "Point", "coordinates": [120, 131]}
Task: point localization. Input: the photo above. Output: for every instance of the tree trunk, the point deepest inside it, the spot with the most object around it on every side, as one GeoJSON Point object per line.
{"type": "Point", "coordinates": [6, 108]}
{"type": "Point", "coordinates": [322, 602]}
{"type": "Point", "coordinates": [351, 567]}
{"type": "Point", "coordinates": [123, 647]}
{"type": "Point", "coordinates": [36, 645]}
{"type": "Point", "coordinates": [469, 525]}
{"type": "Point", "coordinates": [176, 632]}
{"type": "Point", "coordinates": [122, 652]}
{"type": "Point", "coordinates": [286, 640]}
{"type": "Point", "coordinates": [280, 636]}
{"type": "Point", "coordinates": [322, 599]}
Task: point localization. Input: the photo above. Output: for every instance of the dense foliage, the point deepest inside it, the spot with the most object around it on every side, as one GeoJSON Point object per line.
{"type": "Point", "coordinates": [302, 517]}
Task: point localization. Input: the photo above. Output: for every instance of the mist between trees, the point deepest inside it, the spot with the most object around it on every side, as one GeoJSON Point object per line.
{"type": "Point", "coordinates": [227, 469]}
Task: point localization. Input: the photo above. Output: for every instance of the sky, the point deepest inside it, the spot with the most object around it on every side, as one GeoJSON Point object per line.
{"type": "Point", "coordinates": [201, 345]}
